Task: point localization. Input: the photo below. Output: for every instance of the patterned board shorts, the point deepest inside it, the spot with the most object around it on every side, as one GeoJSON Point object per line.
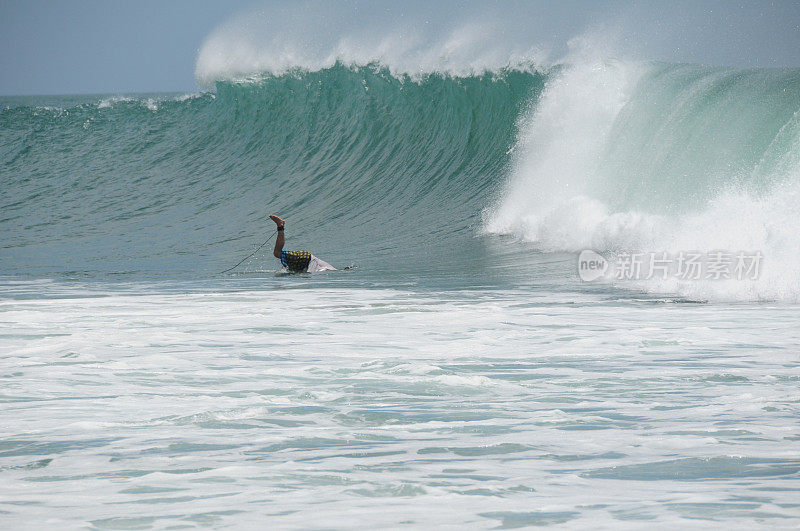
{"type": "Point", "coordinates": [295, 261]}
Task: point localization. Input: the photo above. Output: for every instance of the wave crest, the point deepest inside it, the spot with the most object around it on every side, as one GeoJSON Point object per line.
{"type": "Point", "coordinates": [281, 40]}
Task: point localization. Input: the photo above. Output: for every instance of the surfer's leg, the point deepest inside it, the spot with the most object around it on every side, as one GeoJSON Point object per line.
{"type": "Point", "coordinates": [280, 240]}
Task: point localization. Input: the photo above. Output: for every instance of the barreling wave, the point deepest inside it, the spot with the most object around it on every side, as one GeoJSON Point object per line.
{"type": "Point", "coordinates": [167, 183]}
{"type": "Point", "coordinates": [610, 155]}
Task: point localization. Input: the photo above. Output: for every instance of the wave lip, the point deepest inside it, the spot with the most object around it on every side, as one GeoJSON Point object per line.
{"type": "Point", "coordinates": [259, 43]}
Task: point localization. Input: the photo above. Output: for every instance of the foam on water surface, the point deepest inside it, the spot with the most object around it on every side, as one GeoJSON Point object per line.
{"type": "Point", "coordinates": [148, 408]}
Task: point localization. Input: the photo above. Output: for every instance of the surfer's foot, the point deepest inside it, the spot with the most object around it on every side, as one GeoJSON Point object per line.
{"type": "Point", "coordinates": [278, 221]}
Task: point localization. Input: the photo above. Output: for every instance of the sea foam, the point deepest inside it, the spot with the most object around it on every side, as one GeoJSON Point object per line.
{"type": "Point", "coordinates": [644, 157]}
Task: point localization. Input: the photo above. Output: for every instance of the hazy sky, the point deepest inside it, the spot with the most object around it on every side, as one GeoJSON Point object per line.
{"type": "Point", "coordinates": [104, 46]}
{"type": "Point", "coordinates": [115, 46]}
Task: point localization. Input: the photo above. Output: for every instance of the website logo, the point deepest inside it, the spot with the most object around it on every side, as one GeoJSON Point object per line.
{"type": "Point", "coordinates": [591, 265]}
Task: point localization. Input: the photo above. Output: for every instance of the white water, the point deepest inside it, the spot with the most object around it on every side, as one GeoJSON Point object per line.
{"type": "Point", "coordinates": [574, 163]}
{"type": "Point", "coordinates": [300, 407]}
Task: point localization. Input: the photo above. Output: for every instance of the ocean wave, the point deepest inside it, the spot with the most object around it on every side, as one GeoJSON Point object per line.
{"type": "Point", "coordinates": [654, 157]}
{"type": "Point", "coordinates": [149, 181]}
{"type": "Point", "coordinates": [594, 153]}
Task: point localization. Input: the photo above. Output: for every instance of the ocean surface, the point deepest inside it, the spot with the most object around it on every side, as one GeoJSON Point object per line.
{"type": "Point", "coordinates": [463, 373]}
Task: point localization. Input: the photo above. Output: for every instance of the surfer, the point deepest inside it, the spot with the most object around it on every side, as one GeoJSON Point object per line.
{"type": "Point", "coordinates": [296, 261]}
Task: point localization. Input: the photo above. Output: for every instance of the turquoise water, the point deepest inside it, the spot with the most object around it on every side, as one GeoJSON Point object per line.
{"type": "Point", "coordinates": [461, 374]}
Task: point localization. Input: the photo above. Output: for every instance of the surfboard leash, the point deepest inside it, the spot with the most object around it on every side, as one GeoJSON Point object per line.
{"type": "Point", "coordinates": [250, 255]}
